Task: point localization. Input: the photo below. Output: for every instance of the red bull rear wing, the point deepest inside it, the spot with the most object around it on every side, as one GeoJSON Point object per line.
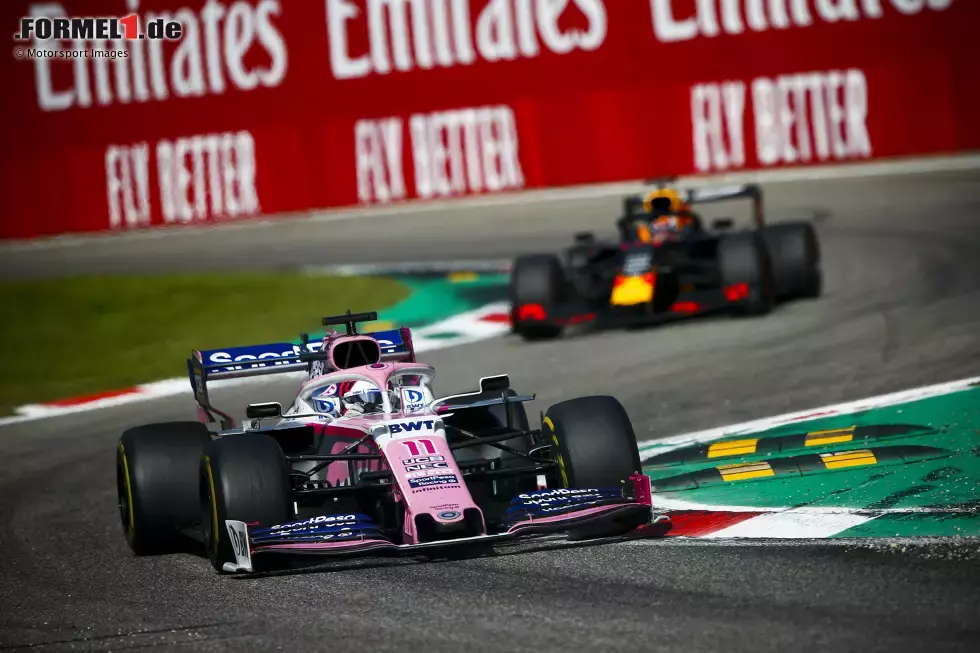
{"type": "Point", "coordinates": [633, 205]}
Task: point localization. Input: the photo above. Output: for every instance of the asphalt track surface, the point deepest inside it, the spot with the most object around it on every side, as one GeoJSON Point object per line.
{"type": "Point", "coordinates": [902, 308]}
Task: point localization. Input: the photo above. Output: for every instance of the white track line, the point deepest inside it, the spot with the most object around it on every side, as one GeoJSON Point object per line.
{"type": "Point", "coordinates": [792, 525]}
{"type": "Point", "coordinates": [489, 266]}
{"type": "Point", "coordinates": [664, 502]}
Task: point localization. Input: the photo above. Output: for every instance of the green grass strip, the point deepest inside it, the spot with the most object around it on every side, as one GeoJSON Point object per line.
{"type": "Point", "coordinates": [71, 337]}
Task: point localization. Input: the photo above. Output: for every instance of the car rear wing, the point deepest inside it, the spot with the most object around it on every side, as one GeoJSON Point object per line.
{"type": "Point", "coordinates": [276, 358]}
{"type": "Point", "coordinates": [633, 205]}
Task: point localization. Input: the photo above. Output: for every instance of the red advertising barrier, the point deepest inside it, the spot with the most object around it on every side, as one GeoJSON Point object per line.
{"type": "Point", "coordinates": [268, 106]}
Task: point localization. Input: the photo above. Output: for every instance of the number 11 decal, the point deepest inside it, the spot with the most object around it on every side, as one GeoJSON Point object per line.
{"type": "Point", "coordinates": [415, 450]}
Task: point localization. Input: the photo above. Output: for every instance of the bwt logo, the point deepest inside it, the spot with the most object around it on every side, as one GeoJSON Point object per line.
{"type": "Point", "coordinates": [418, 425]}
{"type": "Point", "coordinates": [102, 29]}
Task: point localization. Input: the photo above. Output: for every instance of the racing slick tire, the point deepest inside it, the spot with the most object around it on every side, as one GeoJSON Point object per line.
{"type": "Point", "coordinates": [795, 253]}
{"type": "Point", "coordinates": [536, 279]}
{"type": "Point", "coordinates": [593, 442]}
{"type": "Point", "coordinates": [595, 447]}
{"type": "Point", "coordinates": [744, 258]}
{"type": "Point", "coordinates": [245, 478]}
{"type": "Point", "coordinates": [156, 481]}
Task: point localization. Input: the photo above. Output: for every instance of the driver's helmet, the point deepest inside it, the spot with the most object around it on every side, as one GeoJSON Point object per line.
{"type": "Point", "coordinates": [671, 216]}
{"type": "Point", "coordinates": [363, 398]}
{"type": "Point", "coordinates": [326, 401]}
{"type": "Point", "coordinates": [665, 200]}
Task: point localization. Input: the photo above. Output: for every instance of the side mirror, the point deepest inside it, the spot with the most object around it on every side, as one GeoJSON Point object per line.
{"type": "Point", "coordinates": [258, 411]}
{"type": "Point", "coordinates": [722, 223]}
{"type": "Point", "coordinates": [585, 237]}
{"type": "Point", "coordinates": [494, 383]}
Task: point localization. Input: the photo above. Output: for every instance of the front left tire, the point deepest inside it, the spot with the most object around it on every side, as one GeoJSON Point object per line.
{"type": "Point", "coordinates": [244, 478]}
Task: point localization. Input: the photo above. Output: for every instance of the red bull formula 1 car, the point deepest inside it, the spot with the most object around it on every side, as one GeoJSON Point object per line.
{"type": "Point", "coordinates": [666, 264]}
{"type": "Point", "coordinates": [366, 460]}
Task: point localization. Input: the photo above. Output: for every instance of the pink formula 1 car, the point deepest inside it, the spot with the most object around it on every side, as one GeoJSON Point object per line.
{"type": "Point", "coordinates": [367, 461]}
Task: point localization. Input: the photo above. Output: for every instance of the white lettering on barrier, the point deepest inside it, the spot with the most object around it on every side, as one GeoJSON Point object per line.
{"type": "Point", "coordinates": [128, 185]}
{"type": "Point", "coordinates": [674, 21]}
{"type": "Point", "coordinates": [470, 150]}
{"type": "Point", "coordinates": [208, 176]}
{"type": "Point", "coordinates": [203, 177]}
{"type": "Point", "coordinates": [717, 112]}
{"type": "Point", "coordinates": [453, 153]}
{"type": "Point", "coordinates": [797, 118]}
{"type": "Point", "coordinates": [212, 52]}
{"type": "Point", "coordinates": [403, 35]}
{"type": "Point", "coordinates": [835, 127]}
{"type": "Point", "coordinates": [378, 145]}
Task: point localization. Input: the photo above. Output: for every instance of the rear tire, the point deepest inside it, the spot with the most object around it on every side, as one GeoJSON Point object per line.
{"type": "Point", "coordinates": [244, 478]}
{"type": "Point", "coordinates": [593, 441]}
{"type": "Point", "coordinates": [743, 258]}
{"type": "Point", "coordinates": [536, 279]}
{"type": "Point", "coordinates": [156, 482]}
{"type": "Point", "coordinates": [795, 253]}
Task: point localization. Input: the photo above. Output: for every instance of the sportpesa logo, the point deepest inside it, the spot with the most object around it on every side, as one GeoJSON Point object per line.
{"type": "Point", "coordinates": [335, 519]}
{"type": "Point", "coordinates": [557, 493]}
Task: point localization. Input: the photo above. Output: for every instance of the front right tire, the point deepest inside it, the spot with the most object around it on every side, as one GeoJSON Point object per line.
{"type": "Point", "coordinates": [156, 483]}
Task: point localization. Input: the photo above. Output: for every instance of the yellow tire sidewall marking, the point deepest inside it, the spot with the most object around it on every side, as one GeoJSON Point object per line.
{"type": "Point", "coordinates": [214, 504]}
{"type": "Point", "coordinates": [561, 461]}
{"type": "Point", "coordinates": [129, 490]}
